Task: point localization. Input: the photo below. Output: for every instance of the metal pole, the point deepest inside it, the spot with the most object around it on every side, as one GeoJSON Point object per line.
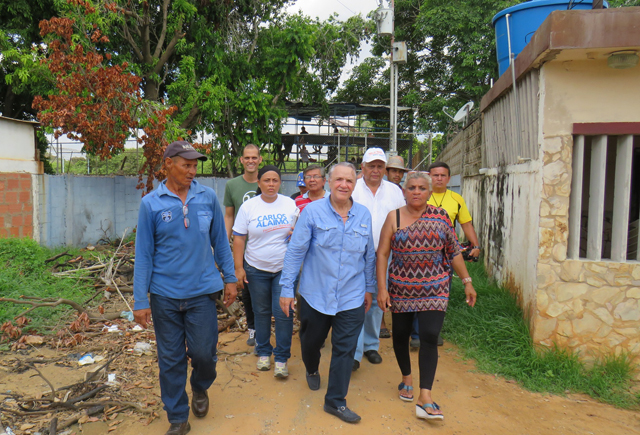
{"type": "Point", "coordinates": [392, 78]}
{"type": "Point", "coordinates": [430, 148]}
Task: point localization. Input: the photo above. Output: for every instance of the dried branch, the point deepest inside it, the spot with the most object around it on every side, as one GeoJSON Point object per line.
{"type": "Point", "coordinates": [39, 304]}
{"type": "Point", "coordinates": [53, 389]}
{"type": "Point", "coordinates": [55, 257]}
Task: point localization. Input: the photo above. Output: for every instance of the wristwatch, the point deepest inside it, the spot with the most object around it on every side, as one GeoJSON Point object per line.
{"type": "Point", "coordinates": [466, 280]}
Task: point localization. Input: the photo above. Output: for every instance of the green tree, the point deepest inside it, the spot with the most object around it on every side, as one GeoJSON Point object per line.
{"type": "Point", "coordinates": [21, 77]}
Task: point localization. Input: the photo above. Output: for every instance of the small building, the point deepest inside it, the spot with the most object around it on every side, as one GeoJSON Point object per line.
{"type": "Point", "coordinates": [19, 164]}
{"type": "Point", "coordinates": [552, 176]}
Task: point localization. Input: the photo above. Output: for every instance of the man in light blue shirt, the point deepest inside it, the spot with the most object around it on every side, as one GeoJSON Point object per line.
{"type": "Point", "coordinates": [176, 280]}
{"type": "Point", "coordinates": [334, 240]}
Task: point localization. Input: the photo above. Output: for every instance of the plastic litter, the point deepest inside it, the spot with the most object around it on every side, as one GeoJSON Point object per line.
{"type": "Point", "coordinates": [111, 379]}
{"type": "Point", "coordinates": [112, 328]}
{"type": "Point", "coordinates": [127, 315]}
{"type": "Point", "coordinates": [86, 359]}
{"type": "Point", "coordinates": [142, 348]}
{"type": "Point", "coordinates": [7, 431]}
{"type": "Point", "coordinates": [137, 328]}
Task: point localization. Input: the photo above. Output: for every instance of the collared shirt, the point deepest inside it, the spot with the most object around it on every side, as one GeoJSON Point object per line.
{"type": "Point", "coordinates": [453, 204]}
{"type": "Point", "coordinates": [339, 258]}
{"type": "Point", "coordinates": [174, 261]}
{"type": "Point", "coordinates": [303, 200]}
{"type": "Point", "coordinates": [388, 197]}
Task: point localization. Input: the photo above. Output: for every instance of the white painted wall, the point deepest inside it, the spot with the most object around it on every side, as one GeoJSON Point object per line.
{"type": "Point", "coordinates": [505, 206]}
{"type": "Point", "coordinates": [17, 146]}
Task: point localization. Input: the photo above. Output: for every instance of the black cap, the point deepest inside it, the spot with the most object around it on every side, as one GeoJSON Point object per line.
{"type": "Point", "coordinates": [183, 149]}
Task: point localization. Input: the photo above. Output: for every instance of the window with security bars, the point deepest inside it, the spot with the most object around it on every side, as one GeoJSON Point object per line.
{"type": "Point", "coordinates": [604, 211]}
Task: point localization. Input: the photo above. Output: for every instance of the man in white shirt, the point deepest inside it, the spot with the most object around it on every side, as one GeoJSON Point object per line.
{"type": "Point", "coordinates": [380, 197]}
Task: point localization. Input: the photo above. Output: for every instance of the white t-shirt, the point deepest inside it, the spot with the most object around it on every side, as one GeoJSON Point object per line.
{"type": "Point", "coordinates": [266, 226]}
{"type": "Point", "coordinates": [388, 197]}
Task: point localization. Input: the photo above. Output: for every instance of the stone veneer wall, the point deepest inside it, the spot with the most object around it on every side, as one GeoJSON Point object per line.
{"type": "Point", "coordinates": [592, 307]}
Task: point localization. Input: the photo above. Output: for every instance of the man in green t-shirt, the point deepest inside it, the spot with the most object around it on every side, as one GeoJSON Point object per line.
{"type": "Point", "coordinates": [237, 191]}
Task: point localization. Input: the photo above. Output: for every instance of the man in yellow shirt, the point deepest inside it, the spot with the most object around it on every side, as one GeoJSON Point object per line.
{"type": "Point", "coordinates": [452, 203]}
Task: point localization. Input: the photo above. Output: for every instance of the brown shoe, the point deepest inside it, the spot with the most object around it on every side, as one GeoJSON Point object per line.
{"type": "Point", "coordinates": [200, 403]}
{"type": "Point", "coordinates": [179, 428]}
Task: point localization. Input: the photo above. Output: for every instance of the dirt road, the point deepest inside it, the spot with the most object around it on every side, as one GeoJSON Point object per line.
{"type": "Point", "coordinates": [245, 401]}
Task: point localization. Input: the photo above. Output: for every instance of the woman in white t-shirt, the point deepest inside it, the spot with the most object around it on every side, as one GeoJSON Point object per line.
{"type": "Point", "coordinates": [264, 224]}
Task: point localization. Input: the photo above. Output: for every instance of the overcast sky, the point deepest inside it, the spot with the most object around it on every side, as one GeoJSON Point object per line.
{"type": "Point", "coordinates": [344, 8]}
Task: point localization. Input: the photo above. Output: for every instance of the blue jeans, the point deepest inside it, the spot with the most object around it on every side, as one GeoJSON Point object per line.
{"type": "Point", "coordinates": [184, 327]}
{"type": "Point", "coordinates": [265, 297]}
{"type": "Point", "coordinates": [314, 327]}
{"type": "Point", "coordinates": [369, 338]}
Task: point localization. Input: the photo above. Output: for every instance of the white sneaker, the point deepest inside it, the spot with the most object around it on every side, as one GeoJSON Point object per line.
{"type": "Point", "coordinates": [281, 370]}
{"type": "Point", "coordinates": [264, 363]}
{"type": "Point", "coordinates": [251, 341]}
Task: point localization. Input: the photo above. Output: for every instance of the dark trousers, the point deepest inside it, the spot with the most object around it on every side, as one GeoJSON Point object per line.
{"type": "Point", "coordinates": [245, 297]}
{"type": "Point", "coordinates": [430, 324]}
{"type": "Point", "coordinates": [345, 328]}
{"type": "Point", "coordinates": [184, 328]}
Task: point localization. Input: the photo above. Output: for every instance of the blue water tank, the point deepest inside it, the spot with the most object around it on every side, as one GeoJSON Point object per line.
{"type": "Point", "coordinates": [524, 21]}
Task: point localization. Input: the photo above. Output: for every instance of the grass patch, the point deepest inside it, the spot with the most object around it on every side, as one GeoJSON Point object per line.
{"type": "Point", "coordinates": [495, 334]}
{"type": "Point", "coordinates": [24, 273]}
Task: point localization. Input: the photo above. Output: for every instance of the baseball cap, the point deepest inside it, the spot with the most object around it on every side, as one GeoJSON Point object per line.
{"type": "Point", "coordinates": [301, 182]}
{"type": "Point", "coordinates": [396, 162]}
{"type": "Point", "coordinates": [374, 154]}
{"type": "Point", "coordinates": [183, 149]}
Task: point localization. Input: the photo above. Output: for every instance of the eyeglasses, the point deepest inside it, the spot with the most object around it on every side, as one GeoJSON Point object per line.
{"type": "Point", "coordinates": [185, 212]}
{"type": "Point", "coordinates": [313, 177]}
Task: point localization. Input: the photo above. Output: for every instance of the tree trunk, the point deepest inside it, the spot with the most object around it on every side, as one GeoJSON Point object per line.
{"type": "Point", "coordinates": [150, 89]}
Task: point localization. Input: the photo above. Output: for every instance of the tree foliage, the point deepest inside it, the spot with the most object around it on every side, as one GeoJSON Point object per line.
{"type": "Point", "coordinates": [93, 102]}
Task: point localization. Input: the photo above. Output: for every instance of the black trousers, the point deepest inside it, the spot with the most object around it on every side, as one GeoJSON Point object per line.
{"type": "Point", "coordinates": [430, 324]}
{"type": "Point", "coordinates": [245, 297]}
{"type": "Point", "coordinates": [345, 328]}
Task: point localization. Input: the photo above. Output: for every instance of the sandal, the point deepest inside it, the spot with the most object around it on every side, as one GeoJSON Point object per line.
{"type": "Point", "coordinates": [384, 333]}
{"type": "Point", "coordinates": [407, 388]}
{"type": "Point", "coordinates": [421, 411]}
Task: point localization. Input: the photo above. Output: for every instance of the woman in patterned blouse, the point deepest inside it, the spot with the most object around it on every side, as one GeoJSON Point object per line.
{"type": "Point", "coordinates": [424, 248]}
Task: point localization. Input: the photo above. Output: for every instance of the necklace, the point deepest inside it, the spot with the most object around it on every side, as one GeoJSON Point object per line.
{"type": "Point", "coordinates": [441, 201]}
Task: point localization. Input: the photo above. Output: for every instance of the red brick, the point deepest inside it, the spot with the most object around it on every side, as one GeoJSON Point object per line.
{"type": "Point", "coordinates": [4, 208]}
{"type": "Point", "coordinates": [28, 219]}
{"type": "Point", "coordinates": [24, 176]}
{"type": "Point", "coordinates": [14, 231]}
{"type": "Point", "coordinates": [17, 221]}
{"type": "Point", "coordinates": [1, 221]}
{"type": "Point", "coordinates": [11, 197]}
{"type": "Point", "coordinates": [25, 184]}
{"type": "Point", "coordinates": [3, 185]}
{"type": "Point", "coordinates": [25, 197]}
{"type": "Point", "coordinates": [15, 208]}
{"type": "Point", "coordinates": [4, 232]}
{"type": "Point", "coordinates": [14, 184]}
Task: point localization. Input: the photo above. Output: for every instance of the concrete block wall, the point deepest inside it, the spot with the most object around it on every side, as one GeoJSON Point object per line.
{"type": "Point", "coordinates": [16, 205]}
{"type": "Point", "coordinates": [76, 210]}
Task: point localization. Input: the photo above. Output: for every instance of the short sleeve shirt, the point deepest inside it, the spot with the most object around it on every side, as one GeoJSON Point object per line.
{"type": "Point", "coordinates": [453, 204]}
{"type": "Point", "coordinates": [267, 226]}
{"type": "Point", "coordinates": [237, 191]}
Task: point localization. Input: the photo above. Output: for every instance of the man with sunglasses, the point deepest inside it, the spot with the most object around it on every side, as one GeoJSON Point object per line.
{"type": "Point", "coordinates": [176, 281]}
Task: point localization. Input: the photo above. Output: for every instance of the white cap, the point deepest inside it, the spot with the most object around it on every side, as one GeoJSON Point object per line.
{"type": "Point", "coordinates": [374, 154]}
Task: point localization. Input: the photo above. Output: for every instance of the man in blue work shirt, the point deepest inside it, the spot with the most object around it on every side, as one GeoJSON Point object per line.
{"type": "Point", "coordinates": [334, 240]}
{"type": "Point", "coordinates": [178, 224]}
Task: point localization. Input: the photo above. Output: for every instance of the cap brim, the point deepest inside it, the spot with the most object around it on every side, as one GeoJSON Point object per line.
{"type": "Point", "coordinates": [192, 155]}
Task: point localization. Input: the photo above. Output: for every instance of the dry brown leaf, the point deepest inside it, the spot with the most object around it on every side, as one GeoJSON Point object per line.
{"type": "Point", "coordinates": [33, 340]}
{"type": "Point", "coordinates": [27, 426]}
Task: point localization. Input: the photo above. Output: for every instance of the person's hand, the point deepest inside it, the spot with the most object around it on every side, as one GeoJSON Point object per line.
{"type": "Point", "coordinates": [474, 253]}
{"type": "Point", "coordinates": [470, 292]}
{"type": "Point", "coordinates": [368, 300]}
{"type": "Point", "coordinates": [230, 293]}
{"type": "Point", "coordinates": [286, 304]}
{"type": "Point", "coordinates": [384, 301]}
{"type": "Point", "coordinates": [142, 317]}
{"type": "Point", "coordinates": [242, 278]}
